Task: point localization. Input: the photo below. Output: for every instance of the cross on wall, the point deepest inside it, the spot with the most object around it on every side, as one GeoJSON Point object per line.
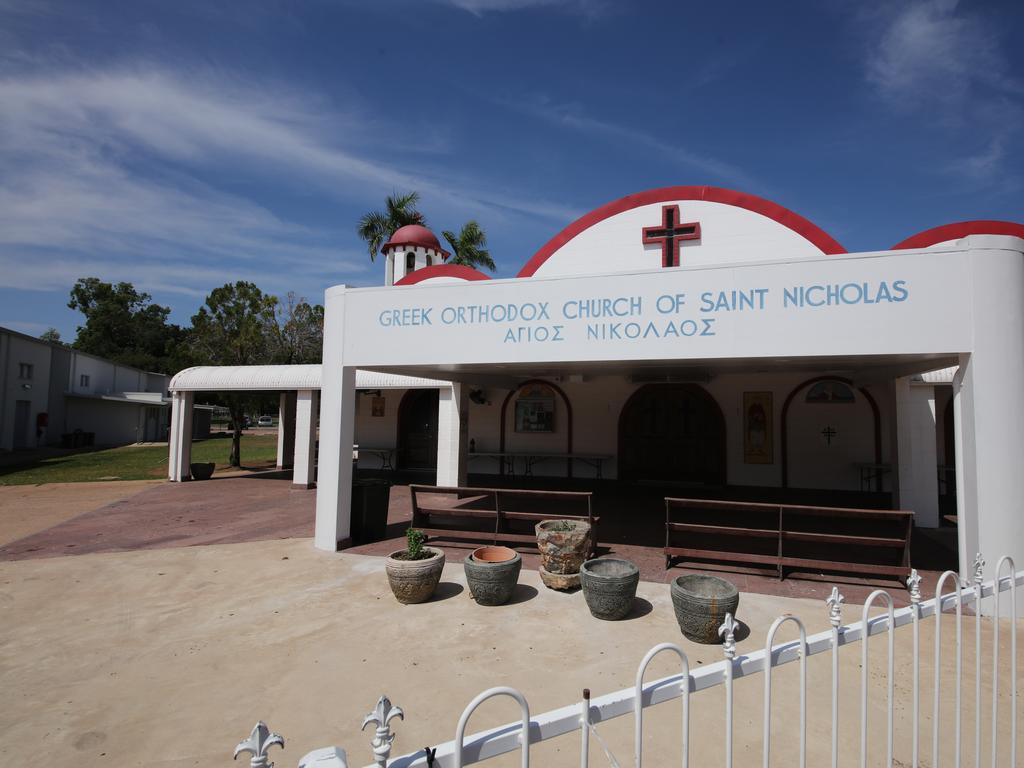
{"type": "Point", "coordinates": [670, 234]}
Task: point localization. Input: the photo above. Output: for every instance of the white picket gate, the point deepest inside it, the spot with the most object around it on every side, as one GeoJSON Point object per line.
{"type": "Point", "coordinates": [529, 730]}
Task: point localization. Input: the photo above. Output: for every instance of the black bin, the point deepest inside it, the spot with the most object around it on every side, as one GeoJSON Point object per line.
{"type": "Point", "coordinates": [370, 499]}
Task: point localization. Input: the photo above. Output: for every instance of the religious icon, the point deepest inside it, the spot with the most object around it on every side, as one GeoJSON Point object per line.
{"type": "Point", "coordinates": [535, 409]}
{"type": "Point", "coordinates": [377, 406]}
{"type": "Point", "coordinates": [758, 436]}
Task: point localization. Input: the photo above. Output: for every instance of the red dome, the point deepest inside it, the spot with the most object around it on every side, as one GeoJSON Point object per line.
{"type": "Point", "coordinates": [414, 234]}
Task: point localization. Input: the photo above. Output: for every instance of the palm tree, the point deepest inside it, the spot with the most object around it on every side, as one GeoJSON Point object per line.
{"type": "Point", "coordinates": [377, 226]}
{"type": "Point", "coordinates": [470, 247]}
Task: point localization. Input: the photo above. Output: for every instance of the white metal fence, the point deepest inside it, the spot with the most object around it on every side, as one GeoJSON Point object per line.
{"type": "Point", "coordinates": [951, 593]}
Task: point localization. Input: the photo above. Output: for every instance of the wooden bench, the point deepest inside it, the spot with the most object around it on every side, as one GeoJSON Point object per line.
{"type": "Point", "coordinates": [789, 537]}
{"type": "Point", "coordinates": [493, 514]}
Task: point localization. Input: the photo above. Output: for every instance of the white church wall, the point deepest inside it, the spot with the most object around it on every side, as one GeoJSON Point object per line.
{"type": "Point", "coordinates": [377, 431]}
{"type": "Point", "coordinates": [727, 235]}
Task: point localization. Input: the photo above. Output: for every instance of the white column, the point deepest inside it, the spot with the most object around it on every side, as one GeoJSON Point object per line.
{"type": "Point", "coordinates": [305, 438]}
{"type": "Point", "coordinates": [285, 430]}
{"type": "Point", "coordinates": [918, 483]}
{"type": "Point", "coordinates": [337, 429]}
{"type": "Point", "coordinates": [180, 440]}
{"type": "Point", "coordinates": [987, 408]}
{"type": "Point", "coordinates": [452, 434]}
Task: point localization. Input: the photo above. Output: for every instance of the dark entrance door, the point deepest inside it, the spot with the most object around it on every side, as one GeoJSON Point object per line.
{"type": "Point", "coordinates": [417, 430]}
{"type": "Point", "coordinates": [672, 433]}
{"type": "Point", "coordinates": [21, 413]}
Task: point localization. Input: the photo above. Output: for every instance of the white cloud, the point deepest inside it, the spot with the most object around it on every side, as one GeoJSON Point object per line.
{"type": "Point", "coordinates": [480, 7]}
{"type": "Point", "coordinates": [129, 175]}
{"type": "Point", "coordinates": [932, 54]}
{"type": "Point", "coordinates": [572, 117]}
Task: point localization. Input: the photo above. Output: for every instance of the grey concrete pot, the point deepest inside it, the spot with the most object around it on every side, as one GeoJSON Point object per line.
{"type": "Point", "coordinates": [563, 545]}
{"type": "Point", "coordinates": [609, 586]}
{"type": "Point", "coordinates": [414, 581]}
{"type": "Point", "coordinates": [700, 603]}
{"type": "Point", "coordinates": [492, 574]}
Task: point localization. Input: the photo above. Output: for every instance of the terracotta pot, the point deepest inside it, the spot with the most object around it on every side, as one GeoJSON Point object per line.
{"type": "Point", "coordinates": [700, 603]}
{"type": "Point", "coordinates": [492, 574]}
{"type": "Point", "coordinates": [414, 581]}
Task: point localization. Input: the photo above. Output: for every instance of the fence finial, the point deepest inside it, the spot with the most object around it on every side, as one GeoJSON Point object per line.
{"type": "Point", "coordinates": [728, 634]}
{"type": "Point", "coordinates": [835, 607]}
{"type": "Point", "coordinates": [258, 744]}
{"type": "Point", "coordinates": [382, 715]}
{"type": "Point", "coordinates": [914, 586]}
{"type": "Point", "coordinates": [979, 568]}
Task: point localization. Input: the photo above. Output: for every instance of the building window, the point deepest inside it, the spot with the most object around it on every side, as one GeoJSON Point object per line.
{"type": "Point", "coordinates": [830, 392]}
{"type": "Point", "coordinates": [430, 260]}
{"type": "Point", "coordinates": [83, 380]}
{"type": "Point", "coordinates": [25, 370]}
{"type": "Point", "coordinates": [535, 409]}
{"type": "Point", "coordinates": [410, 261]}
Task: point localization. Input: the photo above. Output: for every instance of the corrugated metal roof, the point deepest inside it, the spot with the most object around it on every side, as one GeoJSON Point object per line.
{"type": "Point", "coordinates": [941, 376]}
{"type": "Point", "coordinates": [255, 378]}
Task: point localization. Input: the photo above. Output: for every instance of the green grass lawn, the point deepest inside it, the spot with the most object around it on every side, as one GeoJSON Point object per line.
{"type": "Point", "coordinates": [53, 465]}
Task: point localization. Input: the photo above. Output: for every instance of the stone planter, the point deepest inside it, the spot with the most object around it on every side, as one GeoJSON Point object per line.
{"type": "Point", "coordinates": [609, 586]}
{"type": "Point", "coordinates": [414, 581]}
{"type": "Point", "coordinates": [700, 603]}
{"type": "Point", "coordinates": [201, 471]}
{"type": "Point", "coordinates": [563, 545]}
{"type": "Point", "coordinates": [492, 574]}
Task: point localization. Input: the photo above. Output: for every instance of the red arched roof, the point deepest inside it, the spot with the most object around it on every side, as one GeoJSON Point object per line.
{"type": "Point", "coordinates": [960, 229]}
{"type": "Point", "coordinates": [415, 234]}
{"type": "Point", "coordinates": [460, 271]}
{"type": "Point", "coordinates": [783, 216]}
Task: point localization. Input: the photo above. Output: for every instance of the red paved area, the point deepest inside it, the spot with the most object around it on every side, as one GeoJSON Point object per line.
{"type": "Point", "coordinates": [264, 506]}
{"type": "Point", "coordinates": [217, 511]}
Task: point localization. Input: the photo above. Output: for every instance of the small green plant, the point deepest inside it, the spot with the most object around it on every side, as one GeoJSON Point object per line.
{"type": "Point", "coordinates": [414, 544]}
{"type": "Point", "coordinates": [561, 525]}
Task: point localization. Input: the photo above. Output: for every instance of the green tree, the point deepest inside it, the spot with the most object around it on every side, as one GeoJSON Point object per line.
{"type": "Point", "coordinates": [124, 325]}
{"type": "Point", "coordinates": [470, 247]}
{"type": "Point", "coordinates": [51, 335]}
{"type": "Point", "coordinates": [236, 326]}
{"type": "Point", "coordinates": [300, 331]}
{"type": "Point", "coordinates": [377, 226]}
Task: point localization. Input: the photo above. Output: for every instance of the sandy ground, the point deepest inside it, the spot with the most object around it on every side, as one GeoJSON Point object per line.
{"type": "Point", "coordinates": [28, 509]}
{"type": "Point", "coordinates": [167, 657]}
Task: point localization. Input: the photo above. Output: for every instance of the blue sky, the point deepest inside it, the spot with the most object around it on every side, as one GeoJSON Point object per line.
{"type": "Point", "coordinates": [183, 145]}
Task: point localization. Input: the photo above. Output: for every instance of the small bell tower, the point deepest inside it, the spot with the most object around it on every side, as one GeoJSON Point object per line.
{"type": "Point", "coordinates": [412, 247]}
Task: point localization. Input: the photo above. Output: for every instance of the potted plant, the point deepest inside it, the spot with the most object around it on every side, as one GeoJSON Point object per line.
{"type": "Point", "coordinates": [413, 572]}
{"type": "Point", "coordinates": [201, 470]}
{"type": "Point", "coordinates": [563, 545]}
{"type": "Point", "coordinates": [492, 574]}
{"type": "Point", "coordinates": [609, 586]}
{"type": "Point", "coordinates": [700, 603]}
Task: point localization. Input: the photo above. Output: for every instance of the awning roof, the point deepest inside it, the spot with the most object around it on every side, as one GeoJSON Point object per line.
{"type": "Point", "coordinates": [264, 378]}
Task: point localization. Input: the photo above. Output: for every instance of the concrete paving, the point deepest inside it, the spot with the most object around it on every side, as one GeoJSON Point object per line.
{"type": "Point", "coordinates": [167, 657]}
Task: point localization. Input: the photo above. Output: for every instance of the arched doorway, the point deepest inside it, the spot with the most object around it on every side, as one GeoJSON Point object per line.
{"type": "Point", "coordinates": [417, 430]}
{"type": "Point", "coordinates": [672, 433]}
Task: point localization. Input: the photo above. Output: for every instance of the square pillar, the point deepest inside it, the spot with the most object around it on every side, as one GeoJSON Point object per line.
{"type": "Point", "coordinates": [179, 443]}
{"type": "Point", "coordinates": [918, 482]}
{"type": "Point", "coordinates": [452, 435]}
{"type": "Point", "coordinates": [306, 403]}
{"type": "Point", "coordinates": [286, 429]}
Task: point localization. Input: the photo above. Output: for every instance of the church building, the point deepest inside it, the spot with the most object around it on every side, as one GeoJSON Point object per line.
{"type": "Point", "coordinates": [702, 338]}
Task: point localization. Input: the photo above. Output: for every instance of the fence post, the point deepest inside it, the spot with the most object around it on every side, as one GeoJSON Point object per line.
{"type": "Point", "coordinates": [979, 566]}
{"type": "Point", "coordinates": [728, 634]}
{"type": "Point", "coordinates": [382, 715]}
{"type": "Point", "coordinates": [258, 745]}
{"type": "Point", "coordinates": [914, 585]}
{"type": "Point", "coordinates": [997, 580]}
{"type": "Point", "coordinates": [864, 674]}
{"type": "Point", "coordinates": [585, 729]}
{"type": "Point", "coordinates": [524, 736]}
{"type": "Point", "coordinates": [938, 659]}
{"type": "Point", "coordinates": [769, 639]}
{"type": "Point", "coordinates": [638, 694]}
{"type": "Point", "coordinates": [835, 618]}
